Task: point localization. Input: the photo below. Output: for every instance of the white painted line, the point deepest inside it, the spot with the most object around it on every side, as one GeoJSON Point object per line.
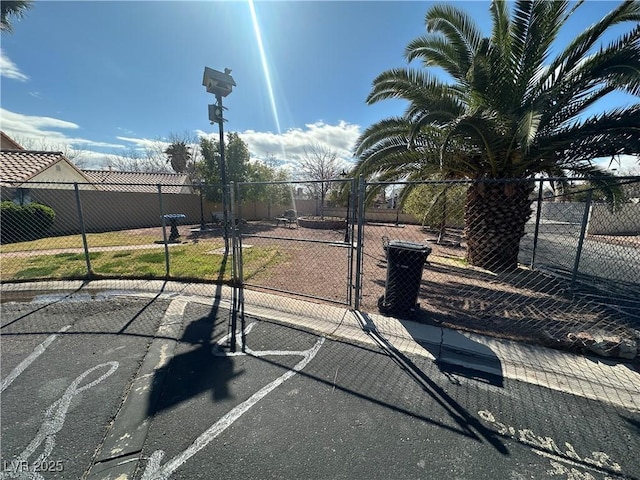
{"type": "Point", "coordinates": [54, 419]}
{"type": "Point", "coordinates": [155, 471]}
{"type": "Point", "coordinates": [218, 352]}
{"type": "Point", "coordinates": [39, 350]}
{"type": "Point", "coordinates": [548, 448]}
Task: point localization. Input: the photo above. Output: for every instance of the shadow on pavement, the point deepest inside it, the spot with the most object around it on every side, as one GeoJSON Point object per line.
{"type": "Point", "coordinates": [459, 355]}
{"type": "Point", "coordinates": [466, 421]}
{"type": "Point", "coordinates": [467, 425]}
{"type": "Point", "coordinates": [142, 310]}
{"type": "Point", "coordinates": [190, 373]}
{"type": "Point", "coordinates": [42, 307]}
{"type": "Point", "coordinates": [633, 422]}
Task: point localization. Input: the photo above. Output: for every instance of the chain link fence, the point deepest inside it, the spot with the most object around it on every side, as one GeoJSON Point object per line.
{"type": "Point", "coordinates": [513, 259]}
{"type": "Point", "coordinates": [575, 282]}
{"type": "Point", "coordinates": [303, 237]}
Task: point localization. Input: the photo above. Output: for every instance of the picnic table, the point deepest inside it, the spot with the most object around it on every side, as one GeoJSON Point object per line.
{"type": "Point", "coordinates": [173, 218]}
{"type": "Point", "coordinates": [288, 218]}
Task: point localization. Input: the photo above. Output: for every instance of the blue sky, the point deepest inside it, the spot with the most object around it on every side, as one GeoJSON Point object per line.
{"type": "Point", "coordinates": [108, 77]}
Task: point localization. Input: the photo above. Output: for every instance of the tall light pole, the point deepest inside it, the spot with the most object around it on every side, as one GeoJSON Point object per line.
{"type": "Point", "coordinates": [220, 84]}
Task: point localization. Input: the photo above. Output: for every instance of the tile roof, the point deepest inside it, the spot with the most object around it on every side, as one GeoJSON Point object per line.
{"type": "Point", "coordinates": [17, 166]}
{"type": "Point", "coordinates": [117, 181]}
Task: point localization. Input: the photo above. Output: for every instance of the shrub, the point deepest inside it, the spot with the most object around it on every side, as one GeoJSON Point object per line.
{"type": "Point", "coordinates": [24, 222]}
{"type": "Point", "coordinates": [435, 204]}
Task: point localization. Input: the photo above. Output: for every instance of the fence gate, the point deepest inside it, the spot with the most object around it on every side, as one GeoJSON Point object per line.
{"type": "Point", "coordinates": [297, 238]}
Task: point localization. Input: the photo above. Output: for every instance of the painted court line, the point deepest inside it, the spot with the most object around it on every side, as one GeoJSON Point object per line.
{"type": "Point", "coordinates": [54, 419]}
{"type": "Point", "coordinates": [22, 366]}
{"type": "Point", "coordinates": [155, 471]}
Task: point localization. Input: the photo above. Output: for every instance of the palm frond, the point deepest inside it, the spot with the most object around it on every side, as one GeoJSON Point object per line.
{"type": "Point", "coordinates": [616, 132]}
{"type": "Point", "coordinates": [390, 127]}
{"type": "Point", "coordinates": [604, 182]}
{"type": "Point", "coordinates": [408, 84]}
{"type": "Point", "coordinates": [575, 52]}
{"type": "Point", "coordinates": [435, 51]}
{"type": "Point", "coordinates": [458, 28]}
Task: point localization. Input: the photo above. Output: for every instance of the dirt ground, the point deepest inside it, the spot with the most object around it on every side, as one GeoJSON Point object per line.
{"type": "Point", "coordinates": [525, 305]}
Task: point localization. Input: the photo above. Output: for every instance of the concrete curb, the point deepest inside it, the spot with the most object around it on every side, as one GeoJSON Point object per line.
{"type": "Point", "coordinates": [614, 382]}
{"type": "Point", "coordinates": [120, 452]}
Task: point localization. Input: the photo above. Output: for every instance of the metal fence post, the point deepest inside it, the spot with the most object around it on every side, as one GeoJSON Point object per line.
{"type": "Point", "coordinates": [537, 229]}
{"type": "Point", "coordinates": [583, 231]}
{"type": "Point", "coordinates": [83, 230]}
{"type": "Point", "coordinates": [164, 233]}
{"type": "Point", "coordinates": [351, 217]}
{"type": "Point", "coordinates": [234, 269]}
{"type": "Point", "coordinates": [359, 242]}
{"type": "Point", "coordinates": [240, 272]}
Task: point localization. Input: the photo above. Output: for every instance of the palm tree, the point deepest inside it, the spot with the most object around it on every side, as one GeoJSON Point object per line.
{"type": "Point", "coordinates": [12, 8]}
{"type": "Point", "coordinates": [179, 156]}
{"type": "Point", "coordinates": [507, 110]}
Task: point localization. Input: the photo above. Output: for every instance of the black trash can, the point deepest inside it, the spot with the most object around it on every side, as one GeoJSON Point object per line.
{"type": "Point", "coordinates": [405, 261]}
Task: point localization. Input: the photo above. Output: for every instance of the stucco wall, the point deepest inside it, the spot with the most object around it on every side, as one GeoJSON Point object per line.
{"type": "Point", "coordinates": [60, 172]}
{"type": "Point", "coordinates": [381, 215]}
{"type": "Point", "coordinates": [106, 211]}
{"type": "Point", "coordinates": [625, 221]}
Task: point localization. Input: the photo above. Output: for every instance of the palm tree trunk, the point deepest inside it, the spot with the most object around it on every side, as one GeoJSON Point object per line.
{"type": "Point", "coordinates": [495, 217]}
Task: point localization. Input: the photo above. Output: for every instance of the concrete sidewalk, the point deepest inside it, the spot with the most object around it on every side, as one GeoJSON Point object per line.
{"type": "Point", "coordinates": [611, 381]}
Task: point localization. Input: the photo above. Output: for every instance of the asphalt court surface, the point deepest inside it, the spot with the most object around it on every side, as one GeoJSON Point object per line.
{"type": "Point", "coordinates": [293, 405]}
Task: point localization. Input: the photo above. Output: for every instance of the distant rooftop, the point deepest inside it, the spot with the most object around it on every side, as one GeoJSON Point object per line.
{"type": "Point", "coordinates": [117, 181]}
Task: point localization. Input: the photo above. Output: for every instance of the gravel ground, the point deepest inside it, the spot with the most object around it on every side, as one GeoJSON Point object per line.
{"type": "Point", "coordinates": [524, 305]}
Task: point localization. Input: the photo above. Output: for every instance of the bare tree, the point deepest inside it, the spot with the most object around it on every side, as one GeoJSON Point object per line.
{"type": "Point", "coordinates": [150, 160]}
{"type": "Point", "coordinates": [45, 145]}
{"type": "Point", "coordinates": [321, 165]}
{"type": "Point", "coordinates": [178, 153]}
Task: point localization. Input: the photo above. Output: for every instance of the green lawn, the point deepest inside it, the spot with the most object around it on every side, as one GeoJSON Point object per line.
{"type": "Point", "coordinates": [188, 261]}
{"type": "Point", "coordinates": [107, 239]}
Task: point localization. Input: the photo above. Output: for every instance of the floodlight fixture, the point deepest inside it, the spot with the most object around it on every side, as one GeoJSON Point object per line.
{"type": "Point", "coordinates": [218, 83]}
{"type": "Point", "coordinates": [216, 113]}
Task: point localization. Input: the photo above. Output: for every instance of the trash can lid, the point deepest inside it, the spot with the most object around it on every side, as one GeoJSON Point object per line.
{"type": "Point", "coordinates": [406, 245]}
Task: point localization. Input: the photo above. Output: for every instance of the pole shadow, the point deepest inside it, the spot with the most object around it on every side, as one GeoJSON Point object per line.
{"type": "Point", "coordinates": [458, 413]}
{"type": "Point", "coordinates": [196, 370]}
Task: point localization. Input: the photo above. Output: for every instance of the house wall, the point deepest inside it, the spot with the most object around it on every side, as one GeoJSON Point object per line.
{"type": "Point", "coordinates": [60, 172]}
{"type": "Point", "coordinates": [7, 143]}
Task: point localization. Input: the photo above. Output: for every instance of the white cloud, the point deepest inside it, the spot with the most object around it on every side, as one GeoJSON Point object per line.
{"type": "Point", "coordinates": [9, 69]}
{"type": "Point", "coordinates": [41, 133]}
{"type": "Point", "coordinates": [33, 129]}
{"type": "Point", "coordinates": [33, 126]}
{"type": "Point", "coordinates": [145, 143]}
{"type": "Point", "coordinates": [621, 165]}
{"type": "Point", "coordinates": [289, 147]}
